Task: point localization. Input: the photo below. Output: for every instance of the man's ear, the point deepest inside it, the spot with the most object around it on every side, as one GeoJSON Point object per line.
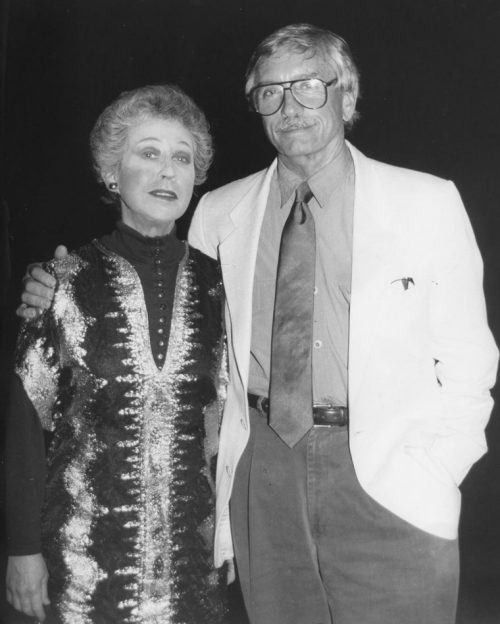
{"type": "Point", "coordinates": [348, 105]}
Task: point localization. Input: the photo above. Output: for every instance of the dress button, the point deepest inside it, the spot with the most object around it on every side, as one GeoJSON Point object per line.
{"type": "Point", "coordinates": [158, 567]}
{"type": "Point", "coordinates": [318, 344]}
{"type": "Point", "coordinates": [161, 320]}
{"type": "Point", "coordinates": [158, 532]}
{"type": "Point", "coordinates": [159, 272]}
{"type": "Point", "coordinates": [163, 306]}
{"type": "Point", "coordinates": [157, 251]}
{"type": "Point", "coordinates": [160, 356]}
{"type": "Point", "coordinates": [160, 295]}
{"type": "Point", "coordinates": [315, 291]}
{"type": "Point", "coordinates": [160, 330]}
{"type": "Point", "coordinates": [159, 284]}
{"type": "Point", "coordinates": [157, 262]}
{"type": "Point", "coordinates": [161, 343]}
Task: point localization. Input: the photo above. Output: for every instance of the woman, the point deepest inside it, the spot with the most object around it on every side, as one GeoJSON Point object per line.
{"type": "Point", "coordinates": [124, 370]}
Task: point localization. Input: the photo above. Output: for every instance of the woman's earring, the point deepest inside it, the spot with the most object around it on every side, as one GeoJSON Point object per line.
{"type": "Point", "coordinates": [113, 186]}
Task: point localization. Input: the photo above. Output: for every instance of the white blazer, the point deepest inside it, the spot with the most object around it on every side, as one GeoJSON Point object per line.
{"type": "Point", "coordinates": [421, 356]}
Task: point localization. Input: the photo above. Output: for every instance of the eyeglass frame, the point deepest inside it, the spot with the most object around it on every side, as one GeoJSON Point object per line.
{"type": "Point", "coordinates": [290, 83]}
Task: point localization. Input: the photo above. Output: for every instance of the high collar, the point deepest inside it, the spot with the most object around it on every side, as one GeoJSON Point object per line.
{"type": "Point", "coordinates": [139, 249]}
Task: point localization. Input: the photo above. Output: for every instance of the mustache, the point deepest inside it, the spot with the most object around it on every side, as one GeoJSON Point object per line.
{"type": "Point", "coordinates": [293, 125]}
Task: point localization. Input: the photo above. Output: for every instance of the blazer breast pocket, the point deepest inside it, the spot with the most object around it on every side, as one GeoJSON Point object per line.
{"type": "Point", "coordinates": [406, 307]}
{"type": "Point", "coordinates": [402, 287]}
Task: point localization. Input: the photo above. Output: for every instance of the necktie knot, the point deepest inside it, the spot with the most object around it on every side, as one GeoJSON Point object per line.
{"type": "Point", "coordinates": [303, 193]}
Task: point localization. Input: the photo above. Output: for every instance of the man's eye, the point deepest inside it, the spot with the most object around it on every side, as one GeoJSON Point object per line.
{"type": "Point", "coordinates": [269, 92]}
{"type": "Point", "coordinates": [306, 85]}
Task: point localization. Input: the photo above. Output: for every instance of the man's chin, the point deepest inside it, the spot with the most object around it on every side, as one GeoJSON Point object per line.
{"type": "Point", "coordinates": [296, 149]}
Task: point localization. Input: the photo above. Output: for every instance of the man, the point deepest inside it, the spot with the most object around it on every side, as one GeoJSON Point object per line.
{"type": "Point", "coordinates": [338, 490]}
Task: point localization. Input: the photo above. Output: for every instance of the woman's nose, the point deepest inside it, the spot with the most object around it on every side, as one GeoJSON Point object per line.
{"type": "Point", "coordinates": [167, 169]}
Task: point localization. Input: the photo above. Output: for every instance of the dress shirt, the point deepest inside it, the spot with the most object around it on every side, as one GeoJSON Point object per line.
{"type": "Point", "coordinates": [332, 209]}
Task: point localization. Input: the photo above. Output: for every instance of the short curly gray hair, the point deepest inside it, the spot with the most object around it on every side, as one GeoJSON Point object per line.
{"type": "Point", "coordinates": [110, 132]}
{"type": "Point", "coordinates": [312, 40]}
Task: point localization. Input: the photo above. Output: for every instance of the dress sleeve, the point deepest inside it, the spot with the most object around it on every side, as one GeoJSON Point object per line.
{"type": "Point", "coordinates": [213, 411]}
{"type": "Point", "coordinates": [24, 472]}
{"type": "Point", "coordinates": [31, 408]}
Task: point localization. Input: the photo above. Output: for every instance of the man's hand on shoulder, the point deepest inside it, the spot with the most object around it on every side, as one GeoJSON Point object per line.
{"type": "Point", "coordinates": [38, 288]}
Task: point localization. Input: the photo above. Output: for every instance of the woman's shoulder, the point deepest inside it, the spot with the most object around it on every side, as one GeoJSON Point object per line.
{"type": "Point", "coordinates": [206, 268]}
{"type": "Point", "coordinates": [85, 257]}
{"type": "Point", "coordinates": [203, 261]}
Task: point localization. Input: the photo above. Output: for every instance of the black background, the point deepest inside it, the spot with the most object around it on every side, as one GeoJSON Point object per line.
{"type": "Point", "coordinates": [430, 72]}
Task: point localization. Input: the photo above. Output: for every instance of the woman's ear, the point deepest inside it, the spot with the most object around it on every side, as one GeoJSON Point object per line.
{"type": "Point", "coordinates": [109, 180]}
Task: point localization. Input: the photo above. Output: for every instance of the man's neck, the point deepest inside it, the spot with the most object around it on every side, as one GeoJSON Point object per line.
{"type": "Point", "coordinates": [304, 167]}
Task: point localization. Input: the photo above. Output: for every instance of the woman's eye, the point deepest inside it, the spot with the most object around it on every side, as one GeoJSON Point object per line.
{"type": "Point", "coordinates": [149, 154]}
{"type": "Point", "coordinates": [183, 157]}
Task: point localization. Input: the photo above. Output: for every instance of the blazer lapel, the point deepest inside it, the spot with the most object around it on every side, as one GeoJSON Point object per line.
{"type": "Point", "coordinates": [238, 255]}
{"type": "Point", "coordinates": [370, 267]}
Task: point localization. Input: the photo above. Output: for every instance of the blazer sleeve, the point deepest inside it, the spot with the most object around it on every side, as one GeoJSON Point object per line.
{"type": "Point", "coordinates": [465, 353]}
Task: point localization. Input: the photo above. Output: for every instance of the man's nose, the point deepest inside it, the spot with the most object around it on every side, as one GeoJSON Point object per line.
{"type": "Point", "coordinates": [290, 106]}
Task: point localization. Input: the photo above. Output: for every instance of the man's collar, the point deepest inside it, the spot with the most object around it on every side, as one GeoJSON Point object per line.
{"type": "Point", "coordinates": [323, 183]}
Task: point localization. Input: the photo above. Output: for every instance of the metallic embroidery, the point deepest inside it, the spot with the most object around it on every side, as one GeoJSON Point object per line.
{"type": "Point", "coordinates": [155, 442]}
{"type": "Point", "coordinates": [75, 605]}
{"type": "Point", "coordinates": [39, 378]}
{"type": "Point", "coordinates": [157, 411]}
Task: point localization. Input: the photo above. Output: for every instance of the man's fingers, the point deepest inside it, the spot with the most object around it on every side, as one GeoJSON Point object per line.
{"type": "Point", "coordinates": [60, 252]}
{"type": "Point", "coordinates": [26, 312]}
{"type": "Point", "coordinates": [37, 295]}
{"type": "Point", "coordinates": [38, 274]}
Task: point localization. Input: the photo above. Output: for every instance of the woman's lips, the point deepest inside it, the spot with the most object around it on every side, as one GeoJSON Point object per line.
{"type": "Point", "coordinates": [163, 194]}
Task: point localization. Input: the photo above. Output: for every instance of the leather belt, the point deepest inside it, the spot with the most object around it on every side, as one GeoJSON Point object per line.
{"type": "Point", "coordinates": [324, 415]}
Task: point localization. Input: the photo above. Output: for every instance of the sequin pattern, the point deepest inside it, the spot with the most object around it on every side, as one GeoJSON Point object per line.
{"type": "Point", "coordinates": [148, 446]}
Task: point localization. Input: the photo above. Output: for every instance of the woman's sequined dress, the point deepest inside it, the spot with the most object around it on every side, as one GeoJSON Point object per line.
{"type": "Point", "coordinates": [127, 520]}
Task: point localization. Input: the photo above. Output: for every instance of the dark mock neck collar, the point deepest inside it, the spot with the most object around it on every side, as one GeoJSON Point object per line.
{"type": "Point", "coordinates": [139, 249]}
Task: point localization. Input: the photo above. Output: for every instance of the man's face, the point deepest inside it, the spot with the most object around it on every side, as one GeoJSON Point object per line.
{"type": "Point", "coordinates": [300, 134]}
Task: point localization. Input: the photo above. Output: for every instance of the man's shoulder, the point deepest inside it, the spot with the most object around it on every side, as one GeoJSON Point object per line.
{"type": "Point", "coordinates": [411, 176]}
{"type": "Point", "coordinates": [233, 191]}
{"type": "Point", "coordinates": [397, 176]}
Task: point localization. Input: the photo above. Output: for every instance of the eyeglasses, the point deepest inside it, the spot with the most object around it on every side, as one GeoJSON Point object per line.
{"type": "Point", "coordinates": [267, 99]}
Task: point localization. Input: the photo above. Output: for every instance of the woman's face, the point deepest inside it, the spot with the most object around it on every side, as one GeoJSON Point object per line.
{"type": "Point", "coordinates": [155, 176]}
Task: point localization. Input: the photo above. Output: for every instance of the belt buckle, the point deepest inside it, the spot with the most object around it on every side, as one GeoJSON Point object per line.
{"type": "Point", "coordinates": [325, 408]}
{"type": "Point", "coordinates": [263, 404]}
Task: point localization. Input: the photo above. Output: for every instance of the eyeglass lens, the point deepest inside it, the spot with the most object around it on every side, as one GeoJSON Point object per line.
{"type": "Point", "coordinates": [310, 93]}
